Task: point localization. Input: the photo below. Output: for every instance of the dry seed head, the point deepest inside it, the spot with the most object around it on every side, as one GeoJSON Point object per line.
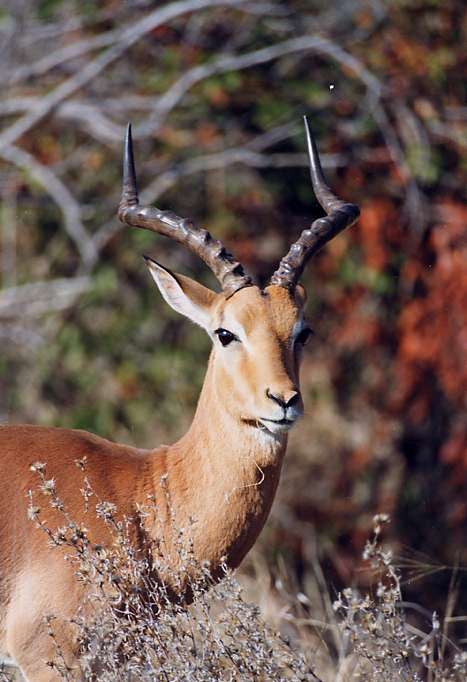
{"type": "Point", "coordinates": [38, 467]}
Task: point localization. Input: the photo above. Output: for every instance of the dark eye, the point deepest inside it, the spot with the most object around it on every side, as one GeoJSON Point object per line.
{"type": "Point", "coordinates": [304, 336]}
{"type": "Point", "coordinates": [225, 337]}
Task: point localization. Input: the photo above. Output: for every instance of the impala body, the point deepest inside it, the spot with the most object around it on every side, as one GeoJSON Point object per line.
{"type": "Point", "coordinates": [223, 472]}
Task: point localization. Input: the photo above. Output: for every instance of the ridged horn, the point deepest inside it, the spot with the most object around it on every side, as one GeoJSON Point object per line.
{"type": "Point", "coordinates": [340, 215]}
{"type": "Point", "coordinates": [228, 271]}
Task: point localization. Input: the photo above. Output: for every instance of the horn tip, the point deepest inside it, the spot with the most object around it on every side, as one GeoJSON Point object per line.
{"type": "Point", "coordinates": [129, 190]}
{"type": "Point", "coordinates": [309, 136]}
{"type": "Point", "coordinates": [316, 171]}
{"type": "Point", "coordinates": [128, 138]}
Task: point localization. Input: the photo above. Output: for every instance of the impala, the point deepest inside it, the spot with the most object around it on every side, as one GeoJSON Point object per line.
{"type": "Point", "coordinates": [223, 472]}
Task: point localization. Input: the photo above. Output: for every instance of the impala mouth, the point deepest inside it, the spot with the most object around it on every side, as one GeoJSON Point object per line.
{"type": "Point", "coordinates": [277, 426]}
{"type": "Point", "coordinates": [281, 422]}
{"type": "Point", "coordinates": [273, 426]}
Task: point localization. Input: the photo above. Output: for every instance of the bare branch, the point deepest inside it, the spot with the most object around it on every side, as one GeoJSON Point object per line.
{"type": "Point", "coordinates": [60, 194]}
{"type": "Point", "coordinates": [449, 132]}
{"type": "Point", "coordinates": [128, 37]}
{"type": "Point", "coordinates": [63, 55]}
{"type": "Point", "coordinates": [90, 117]}
{"type": "Point", "coordinates": [93, 120]}
{"type": "Point", "coordinates": [39, 298]}
{"type": "Point", "coordinates": [414, 137]}
{"type": "Point", "coordinates": [20, 335]}
{"type": "Point", "coordinates": [105, 130]}
{"type": "Point", "coordinates": [8, 220]}
{"type": "Point", "coordinates": [316, 44]}
{"type": "Point", "coordinates": [15, 105]}
{"type": "Point", "coordinates": [273, 136]}
{"type": "Point", "coordinates": [82, 47]}
{"type": "Point", "coordinates": [226, 63]}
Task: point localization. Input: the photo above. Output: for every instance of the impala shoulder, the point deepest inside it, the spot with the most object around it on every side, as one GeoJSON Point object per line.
{"type": "Point", "coordinates": [66, 445]}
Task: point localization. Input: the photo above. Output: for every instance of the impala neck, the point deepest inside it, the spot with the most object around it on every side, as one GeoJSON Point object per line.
{"type": "Point", "coordinates": [223, 474]}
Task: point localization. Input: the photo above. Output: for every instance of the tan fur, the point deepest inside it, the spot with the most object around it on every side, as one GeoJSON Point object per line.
{"type": "Point", "coordinates": [223, 472]}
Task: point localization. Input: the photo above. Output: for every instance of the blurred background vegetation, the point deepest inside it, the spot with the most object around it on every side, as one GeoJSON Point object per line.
{"type": "Point", "coordinates": [216, 91]}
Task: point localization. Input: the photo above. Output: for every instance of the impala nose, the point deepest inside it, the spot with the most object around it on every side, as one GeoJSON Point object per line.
{"type": "Point", "coordinates": [286, 399]}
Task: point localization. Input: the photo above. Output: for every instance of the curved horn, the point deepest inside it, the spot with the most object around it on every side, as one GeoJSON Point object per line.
{"type": "Point", "coordinates": [228, 271]}
{"type": "Point", "coordinates": [340, 215]}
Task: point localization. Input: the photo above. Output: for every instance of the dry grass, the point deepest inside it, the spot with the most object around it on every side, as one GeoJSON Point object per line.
{"type": "Point", "coordinates": [133, 625]}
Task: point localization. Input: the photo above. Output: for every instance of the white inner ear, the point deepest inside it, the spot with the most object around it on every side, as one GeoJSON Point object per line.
{"type": "Point", "coordinates": [177, 299]}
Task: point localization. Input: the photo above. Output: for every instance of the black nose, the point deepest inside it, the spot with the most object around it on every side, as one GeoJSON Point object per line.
{"type": "Point", "coordinates": [284, 400]}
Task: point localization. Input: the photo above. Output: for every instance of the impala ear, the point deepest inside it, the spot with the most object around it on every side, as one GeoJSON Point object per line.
{"type": "Point", "coordinates": [183, 294]}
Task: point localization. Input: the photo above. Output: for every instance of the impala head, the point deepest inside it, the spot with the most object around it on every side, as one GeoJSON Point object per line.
{"type": "Point", "coordinates": [258, 337]}
{"type": "Point", "coordinates": [258, 334]}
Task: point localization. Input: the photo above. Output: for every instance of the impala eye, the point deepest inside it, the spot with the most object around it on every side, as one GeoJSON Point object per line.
{"type": "Point", "coordinates": [304, 336]}
{"type": "Point", "coordinates": [225, 337]}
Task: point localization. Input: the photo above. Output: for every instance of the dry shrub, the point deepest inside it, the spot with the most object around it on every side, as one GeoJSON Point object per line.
{"type": "Point", "coordinates": [385, 643]}
{"type": "Point", "coordinates": [133, 625]}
